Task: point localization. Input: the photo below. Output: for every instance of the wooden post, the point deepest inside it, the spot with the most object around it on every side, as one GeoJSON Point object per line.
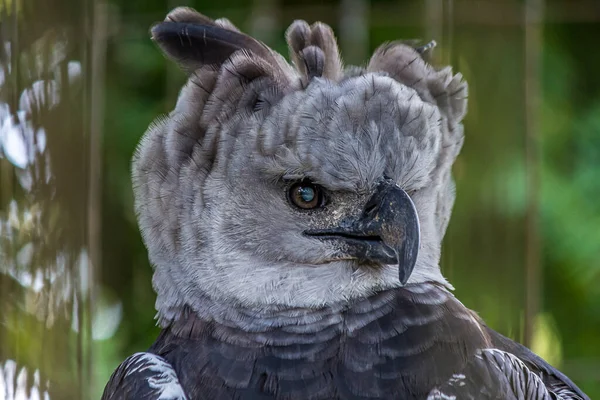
{"type": "Point", "coordinates": [533, 46]}
{"type": "Point", "coordinates": [100, 18]}
{"type": "Point", "coordinates": [354, 30]}
{"type": "Point", "coordinates": [264, 20]}
{"type": "Point", "coordinates": [439, 26]}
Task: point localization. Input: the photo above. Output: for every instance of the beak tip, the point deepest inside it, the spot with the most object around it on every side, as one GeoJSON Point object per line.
{"type": "Point", "coordinates": [403, 275]}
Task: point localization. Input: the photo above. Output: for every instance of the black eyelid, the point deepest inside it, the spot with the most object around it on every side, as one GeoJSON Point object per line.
{"type": "Point", "coordinates": [295, 178]}
{"type": "Point", "coordinates": [290, 181]}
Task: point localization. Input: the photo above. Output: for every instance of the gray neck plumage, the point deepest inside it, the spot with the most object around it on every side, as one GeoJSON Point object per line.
{"type": "Point", "coordinates": [417, 304]}
{"type": "Point", "coordinates": [263, 318]}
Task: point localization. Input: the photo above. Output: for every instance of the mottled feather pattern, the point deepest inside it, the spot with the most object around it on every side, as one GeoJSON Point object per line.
{"type": "Point", "coordinates": [507, 371]}
{"type": "Point", "coordinates": [144, 376]}
{"type": "Point", "coordinates": [557, 383]}
{"type": "Point", "coordinates": [496, 374]}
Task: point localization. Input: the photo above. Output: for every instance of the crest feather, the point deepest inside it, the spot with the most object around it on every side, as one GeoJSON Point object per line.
{"type": "Point", "coordinates": [436, 86]}
{"type": "Point", "coordinates": [314, 51]}
{"type": "Point", "coordinates": [193, 40]}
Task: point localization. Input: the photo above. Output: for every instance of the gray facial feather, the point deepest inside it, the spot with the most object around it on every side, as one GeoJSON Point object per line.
{"type": "Point", "coordinates": [210, 179]}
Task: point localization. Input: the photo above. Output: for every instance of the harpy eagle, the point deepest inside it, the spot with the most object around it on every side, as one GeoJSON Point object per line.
{"type": "Point", "coordinates": [294, 215]}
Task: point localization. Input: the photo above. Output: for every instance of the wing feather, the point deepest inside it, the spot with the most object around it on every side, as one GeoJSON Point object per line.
{"type": "Point", "coordinates": [144, 376]}
{"type": "Point", "coordinates": [553, 379]}
{"type": "Point", "coordinates": [494, 374]}
{"type": "Point", "coordinates": [508, 371]}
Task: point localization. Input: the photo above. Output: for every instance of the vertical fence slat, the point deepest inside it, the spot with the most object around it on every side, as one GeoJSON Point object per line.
{"type": "Point", "coordinates": [533, 45]}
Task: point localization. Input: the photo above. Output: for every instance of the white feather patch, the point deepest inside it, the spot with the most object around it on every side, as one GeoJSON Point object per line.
{"type": "Point", "coordinates": [164, 380]}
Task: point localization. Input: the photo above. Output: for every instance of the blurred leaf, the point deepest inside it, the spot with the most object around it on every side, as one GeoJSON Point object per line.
{"type": "Point", "coordinates": [546, 342]}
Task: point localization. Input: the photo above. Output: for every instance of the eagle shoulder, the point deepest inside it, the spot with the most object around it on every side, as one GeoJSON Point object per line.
{"type": "Point", "coordinates": [553, 379]}
{"type": "Point", "coordinates": [508, 370]}
{"type": "Point", "coordinates": [144, 376]}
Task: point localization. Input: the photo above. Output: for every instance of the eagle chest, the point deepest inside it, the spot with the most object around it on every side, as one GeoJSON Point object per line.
{"type": "Point", "coordinates": [378, 350]}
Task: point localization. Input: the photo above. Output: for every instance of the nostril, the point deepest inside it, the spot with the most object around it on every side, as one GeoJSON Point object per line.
{"type": "Point", "coordinates": [370, 208]}
{"type": "Point", "coordinates": [346, 223]}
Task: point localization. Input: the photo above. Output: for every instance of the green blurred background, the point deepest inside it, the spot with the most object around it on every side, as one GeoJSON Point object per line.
{"type": "Point", "coordinates": [523, 245]}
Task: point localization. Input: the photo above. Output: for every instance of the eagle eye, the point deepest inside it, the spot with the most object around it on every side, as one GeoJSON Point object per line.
{"type": "Point", "coordinates": [306, 195]}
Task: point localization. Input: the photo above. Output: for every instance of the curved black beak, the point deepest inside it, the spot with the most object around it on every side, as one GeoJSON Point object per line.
{"type": "Point", "coordinates": [386, 232]}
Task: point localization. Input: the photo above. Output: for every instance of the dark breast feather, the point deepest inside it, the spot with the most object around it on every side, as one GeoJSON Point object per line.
{"type": "Point", "coordinates": [398, 344]}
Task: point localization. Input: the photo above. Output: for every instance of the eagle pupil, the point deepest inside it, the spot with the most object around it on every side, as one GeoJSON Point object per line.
{"type": "Point", "coordinates": [307, 194]}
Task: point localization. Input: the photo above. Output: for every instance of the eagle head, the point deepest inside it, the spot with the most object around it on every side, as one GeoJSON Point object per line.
{"type": "Point", "coordinates": [295, 184]}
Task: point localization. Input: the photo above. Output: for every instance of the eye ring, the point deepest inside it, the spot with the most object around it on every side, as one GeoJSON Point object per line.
{"type": "Point", "coordinates": [306, 195]}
